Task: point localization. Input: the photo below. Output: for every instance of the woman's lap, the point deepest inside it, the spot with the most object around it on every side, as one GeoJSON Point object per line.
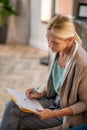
{"type": "Point", "coordinates": [13, 118]}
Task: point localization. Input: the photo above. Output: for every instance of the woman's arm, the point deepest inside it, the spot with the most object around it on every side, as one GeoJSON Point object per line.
{"type": "Point", "coordinates": [64, 112]}
{"type": "Point", "coordinates": [81, 105]}
{"type": "Point", "coordinates": [47, 113]}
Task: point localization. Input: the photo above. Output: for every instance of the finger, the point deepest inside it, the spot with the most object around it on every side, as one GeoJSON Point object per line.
{"type": "Point", "coordinates": [33, 95]}
{"type": "Point", "coordinates": [39, 110]}
{"type": "Point", "coordinates": [37, 113]}
{"type": "Point", "coordinates": [29, 91]}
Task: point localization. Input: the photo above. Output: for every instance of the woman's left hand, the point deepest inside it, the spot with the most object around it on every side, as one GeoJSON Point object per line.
{"type": "Point", "coordinates": [45, 114]}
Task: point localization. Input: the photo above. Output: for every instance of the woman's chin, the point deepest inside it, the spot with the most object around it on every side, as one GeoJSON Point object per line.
{"type": "Point", "coordinates": [54, 50]}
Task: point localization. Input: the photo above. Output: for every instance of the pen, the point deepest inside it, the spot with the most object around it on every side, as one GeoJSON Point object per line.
{"type": "Point", "coordinates": [25, 98]}
{"type": "Point", "coordinates": [35, 90]}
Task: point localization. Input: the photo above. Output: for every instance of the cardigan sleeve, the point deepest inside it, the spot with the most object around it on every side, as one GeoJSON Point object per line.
{"type": "Point", "coordinates": [81, 105]}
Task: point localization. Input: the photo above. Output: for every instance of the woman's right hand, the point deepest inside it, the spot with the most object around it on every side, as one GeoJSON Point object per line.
{"type": "Point", "coordinates": [35, 95]}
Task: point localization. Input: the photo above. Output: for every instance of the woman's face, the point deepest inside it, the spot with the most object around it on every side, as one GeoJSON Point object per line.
{"type": "Point", "coordinates": [56, 44]}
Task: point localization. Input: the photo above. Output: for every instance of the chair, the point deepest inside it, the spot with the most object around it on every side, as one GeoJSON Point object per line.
{"type": "Point", "coordinates": [81, 127]}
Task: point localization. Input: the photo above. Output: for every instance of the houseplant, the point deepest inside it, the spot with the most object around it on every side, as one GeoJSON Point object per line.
{"type": "Point", "coordinates": [5, 11]}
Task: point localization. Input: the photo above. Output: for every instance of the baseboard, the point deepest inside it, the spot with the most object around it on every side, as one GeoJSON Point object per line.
{"type": "Point", "coordinates": [38, 44]}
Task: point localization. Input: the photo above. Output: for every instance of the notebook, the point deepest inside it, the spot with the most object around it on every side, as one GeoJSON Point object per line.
{"type": "Point", "coordinates": [24, 103]}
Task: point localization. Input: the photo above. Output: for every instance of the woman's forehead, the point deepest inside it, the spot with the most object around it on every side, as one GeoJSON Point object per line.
{"type": "Point", "coordinates": [50, 34]}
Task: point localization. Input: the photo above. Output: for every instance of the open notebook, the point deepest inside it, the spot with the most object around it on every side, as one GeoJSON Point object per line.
{"type": "Point", "coordinates": [25, 105]}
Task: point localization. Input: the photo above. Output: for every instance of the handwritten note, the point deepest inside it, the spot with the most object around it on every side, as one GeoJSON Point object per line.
{"type": "Point", "coordinates": [25, 105]}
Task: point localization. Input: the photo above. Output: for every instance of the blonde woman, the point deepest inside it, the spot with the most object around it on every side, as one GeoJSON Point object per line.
{"type": "Point", "coordinates": [65, 97]}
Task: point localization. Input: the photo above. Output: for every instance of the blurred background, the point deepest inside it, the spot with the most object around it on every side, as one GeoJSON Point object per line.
{"type": "Point", "coordinates": [24, 54]}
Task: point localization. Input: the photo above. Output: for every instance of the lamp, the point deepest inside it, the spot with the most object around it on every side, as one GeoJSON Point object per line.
{"type": "Point", "coordinates": [46, 10]}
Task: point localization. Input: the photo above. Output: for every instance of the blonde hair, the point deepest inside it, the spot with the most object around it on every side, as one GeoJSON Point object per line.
{"type": "Point", "coordinates": [63, 27]}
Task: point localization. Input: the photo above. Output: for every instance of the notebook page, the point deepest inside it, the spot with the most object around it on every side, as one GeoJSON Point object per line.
{"type": "Point", "coordinates": [27, 104]}
{"type": "Point", "coordinates": [30, 105]}
{"type": "Point", "coordinates": [19, 95]}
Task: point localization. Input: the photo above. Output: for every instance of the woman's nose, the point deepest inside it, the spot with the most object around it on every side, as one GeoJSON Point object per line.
{"type": "Point", "coordinates": [50, 45]}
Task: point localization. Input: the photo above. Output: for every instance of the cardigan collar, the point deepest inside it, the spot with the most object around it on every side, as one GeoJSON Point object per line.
{"type": "Point", "coordinates": [68, 64]}
{"type": "Point", "coordinates": [69, 61]}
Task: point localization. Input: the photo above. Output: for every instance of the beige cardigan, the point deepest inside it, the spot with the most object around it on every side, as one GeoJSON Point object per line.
{"type": "Point", "coordinates": [73, 91]}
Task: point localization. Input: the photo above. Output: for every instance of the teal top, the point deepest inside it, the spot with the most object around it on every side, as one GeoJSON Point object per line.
{"type": "Point", "coordinates": [57, 74]}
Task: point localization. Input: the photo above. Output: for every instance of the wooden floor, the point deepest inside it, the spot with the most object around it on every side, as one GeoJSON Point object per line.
{"type": "Point", "coordinates": [20, 68]}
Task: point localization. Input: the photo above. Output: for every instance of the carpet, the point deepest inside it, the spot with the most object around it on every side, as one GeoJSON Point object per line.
{"type": "Point", "coordinates": [20, 68]}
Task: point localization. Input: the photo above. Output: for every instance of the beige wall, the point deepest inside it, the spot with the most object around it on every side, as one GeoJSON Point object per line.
{"type": "Point", "coordinates": [75, 6]}
{"type": "Point", "coordinates": [27, 28]}
{"type": "Point", "coordinates": [19, 25]}
{"type": "Point", "coordinates": [64, 7]}
{"type": "Point", "coordinates": [37, 28]}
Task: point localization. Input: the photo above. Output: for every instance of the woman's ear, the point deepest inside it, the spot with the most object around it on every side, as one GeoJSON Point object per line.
{"type": "Point", "coordinates": [70, 39]}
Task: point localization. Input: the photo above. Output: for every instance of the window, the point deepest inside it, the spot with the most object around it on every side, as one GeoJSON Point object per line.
{"type": "Point", "coordinates": [82, 11]}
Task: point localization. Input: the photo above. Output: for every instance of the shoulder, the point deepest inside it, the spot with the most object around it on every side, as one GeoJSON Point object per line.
{"type": "Point", "coordinates": [81, 57]}
{"type": "Point", "coordinates": [80, 62]}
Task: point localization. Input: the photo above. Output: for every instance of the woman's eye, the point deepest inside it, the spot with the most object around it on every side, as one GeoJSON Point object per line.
{"type": "Point", "coordinates": [54, 43]}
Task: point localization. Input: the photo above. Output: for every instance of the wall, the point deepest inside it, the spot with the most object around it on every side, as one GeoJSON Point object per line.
{"type": "Point", "coordinates": [19, 25]}
{"type": "Point", "coordinates": [61, 7]}
{"type": "Point", "coordinates": [37, 29]}
{"type": "Point", "coordinates": [75, 6]}
{"type": "Point", "coordinates": [28, 29]}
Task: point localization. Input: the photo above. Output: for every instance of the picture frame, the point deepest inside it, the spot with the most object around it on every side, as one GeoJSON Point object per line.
{"type": "Point", "coordinates": [82, 11]}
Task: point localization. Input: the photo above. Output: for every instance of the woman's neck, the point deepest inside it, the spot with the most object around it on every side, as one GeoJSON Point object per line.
{"type": "Point", "coordinates": [63, 55]}
{"type": "Point", "coordinates": [68, 49]}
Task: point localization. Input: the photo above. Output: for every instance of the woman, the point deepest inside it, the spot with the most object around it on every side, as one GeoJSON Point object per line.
{"type": "Point", "coordinates": [65, 97]}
